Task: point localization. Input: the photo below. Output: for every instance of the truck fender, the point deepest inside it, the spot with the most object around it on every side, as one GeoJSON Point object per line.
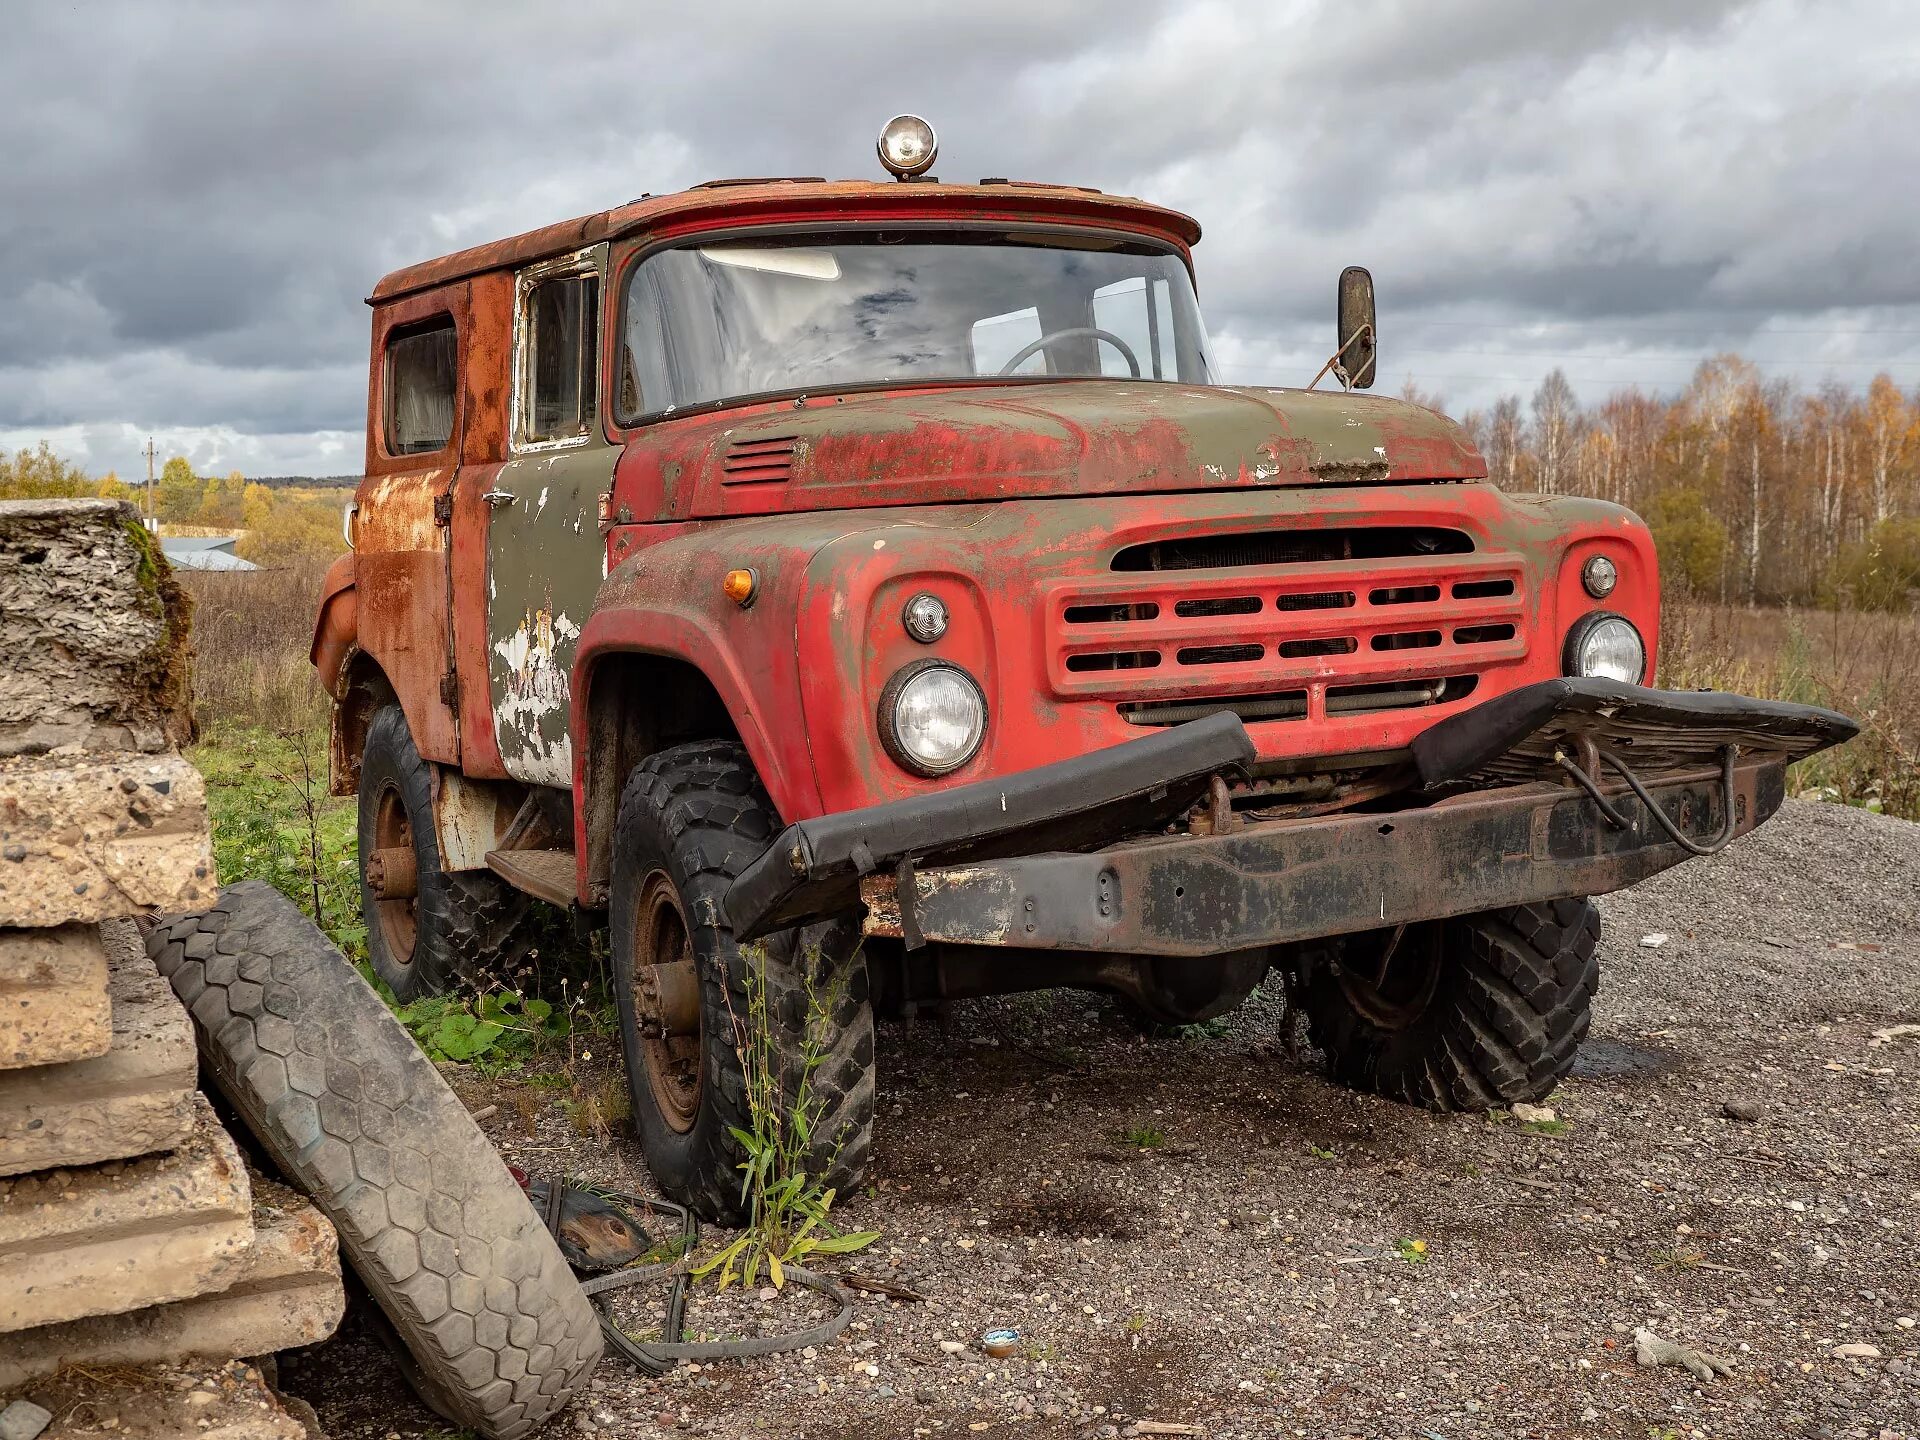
{"type": "Point", "coordinates": [336, 628]}
{"type": "Point", "coordinates": [681, 639]}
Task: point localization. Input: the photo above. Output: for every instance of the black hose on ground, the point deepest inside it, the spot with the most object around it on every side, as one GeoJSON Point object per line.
{"type": "Point", "coordinates": [658, 1357]}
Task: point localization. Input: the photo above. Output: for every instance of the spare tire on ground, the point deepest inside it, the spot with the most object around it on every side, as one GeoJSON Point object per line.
{"type": "Point", "coordinates": [337, 1093]}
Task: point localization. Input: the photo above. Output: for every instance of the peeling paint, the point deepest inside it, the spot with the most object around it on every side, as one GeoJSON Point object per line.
{"type": "Point", "coordinates": [546, 559]}
{"type": "Point", "coordinates": [535, 693]}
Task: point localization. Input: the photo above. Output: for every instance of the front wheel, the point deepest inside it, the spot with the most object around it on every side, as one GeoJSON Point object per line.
{"type": "Point", "coordinates": [691, 818]}
{"type": "Point", "coordinates": [1475, 1013]}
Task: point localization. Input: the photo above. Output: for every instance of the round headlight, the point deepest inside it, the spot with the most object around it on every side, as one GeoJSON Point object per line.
{"type": "Point", "coordinates": [932, 717]}
{"type": "Point", "coordinates": [907, 146]}
{"type": "Point", "coordinates": [1606, 647]}
{"type": "Point", "coordinates": [925, 617]}
{"type": "Point", "coordinates": [1599, 575]}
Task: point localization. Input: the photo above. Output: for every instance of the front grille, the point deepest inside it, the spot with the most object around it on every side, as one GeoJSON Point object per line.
{"type": "Point", "coordinates": [1303, 625]}
{"type": "Point", "coordinates": [1294, 547]}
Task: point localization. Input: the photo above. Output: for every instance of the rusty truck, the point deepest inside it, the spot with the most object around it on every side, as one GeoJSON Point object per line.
{"type": "Point", "coordinates": [875, 590]}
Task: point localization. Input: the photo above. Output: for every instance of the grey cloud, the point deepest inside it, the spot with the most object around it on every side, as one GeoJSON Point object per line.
{"type": "Point", "coordinates": [195, 198]}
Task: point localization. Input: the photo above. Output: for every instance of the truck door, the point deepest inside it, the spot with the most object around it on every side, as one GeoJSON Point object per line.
{"type": "Point", "coordinates": [546, 556]}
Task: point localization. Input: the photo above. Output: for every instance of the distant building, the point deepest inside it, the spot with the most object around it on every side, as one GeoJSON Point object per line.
{"type": "Point", "coordinates": [203, 552]}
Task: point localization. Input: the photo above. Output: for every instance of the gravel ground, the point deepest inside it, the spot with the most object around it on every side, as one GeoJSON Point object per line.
{"type": "Point", "coordinates": [1203, 1232]}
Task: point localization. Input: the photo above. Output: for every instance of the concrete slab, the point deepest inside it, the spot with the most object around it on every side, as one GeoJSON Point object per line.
{"type": "Point", "coordinates": [287, 1294]}
{"type": "Point", "coordinates": [93, 628]}
{"type": "Point", "coordinates": [54, 999]}
{"type": "Point", "coordinates": [165, 1402]}
{"type": "Point", "coordinates": [134, 1100]}
{"type": "Point", "coordinates": [89, 837]}
{"type": "Point", "coordinates": [127, 1234]}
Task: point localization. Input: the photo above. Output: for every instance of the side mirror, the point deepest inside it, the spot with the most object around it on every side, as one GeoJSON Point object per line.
{"type": "Point", "coordinates": [1359, 352]}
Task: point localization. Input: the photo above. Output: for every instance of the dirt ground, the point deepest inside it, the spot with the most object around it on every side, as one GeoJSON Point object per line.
{"type": "Point", "coordinates": [1202, 1231]}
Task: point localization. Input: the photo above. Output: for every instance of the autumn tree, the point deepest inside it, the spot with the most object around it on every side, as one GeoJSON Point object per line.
{"type": "Point", "coordinates": [40, 474]}
{"type": "Point", "coordinates": [176, 498]}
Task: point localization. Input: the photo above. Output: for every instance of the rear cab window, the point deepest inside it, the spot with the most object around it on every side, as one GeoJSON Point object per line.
{"type": "Point", "coordinates": [422, 363]}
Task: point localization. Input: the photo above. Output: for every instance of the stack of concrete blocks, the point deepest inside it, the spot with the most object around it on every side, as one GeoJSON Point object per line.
{"type": "Point", "coordinates": [131, 1233]}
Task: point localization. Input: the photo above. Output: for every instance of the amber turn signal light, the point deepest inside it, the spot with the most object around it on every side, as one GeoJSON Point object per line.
{"type": "Point", "coordinates": [739, 586]}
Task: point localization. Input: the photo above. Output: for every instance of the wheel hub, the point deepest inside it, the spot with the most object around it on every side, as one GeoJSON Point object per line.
{"type": "Point", "coordinates": [666, 1001]}
{"type": "Point", "coordinates": [392, 875]}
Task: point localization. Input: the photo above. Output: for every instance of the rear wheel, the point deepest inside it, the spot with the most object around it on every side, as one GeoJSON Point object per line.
{"type": "Point", "coordinates": [427, 928]}
{"type": "Point", "coordinates": [691, 818]}
{"type": "Point", "coordinates": [1474, 1013]}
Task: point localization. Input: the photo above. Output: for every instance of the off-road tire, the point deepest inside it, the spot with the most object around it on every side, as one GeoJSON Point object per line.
{"type": "Point", "coordinates": [349, 1109]}
{"type": "Point", "coordinates": [698, 812]}
{"type": "Point", "coordinates": [468, 923]}
{"type": "Point", "coordinates": [1511, 1002]}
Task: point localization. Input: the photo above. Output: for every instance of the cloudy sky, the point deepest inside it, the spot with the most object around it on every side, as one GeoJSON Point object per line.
{"type": "Point", "coordinates": [195, 195]}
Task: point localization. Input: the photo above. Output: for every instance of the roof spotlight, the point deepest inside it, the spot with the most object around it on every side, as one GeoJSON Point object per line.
{"type": "Point", "coordinates": [907, 146]}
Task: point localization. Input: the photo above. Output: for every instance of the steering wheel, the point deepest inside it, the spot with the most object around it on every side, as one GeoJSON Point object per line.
{"type": "Point", "coordinates": [1078, 332]}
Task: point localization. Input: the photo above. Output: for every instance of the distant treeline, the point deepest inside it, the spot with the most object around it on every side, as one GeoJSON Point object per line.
{"type": "Point", "coordinates": [1757, 491]}
{"type": "Point", "coordinates": [305, 482]}
{"type": "Point", "coordinates": [277, 524]}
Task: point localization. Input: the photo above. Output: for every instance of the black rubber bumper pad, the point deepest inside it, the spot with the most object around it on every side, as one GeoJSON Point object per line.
{"type": "Point", "coordinates": [813, 868]}
{"type": "Point", "coordinates": [1514, 736]}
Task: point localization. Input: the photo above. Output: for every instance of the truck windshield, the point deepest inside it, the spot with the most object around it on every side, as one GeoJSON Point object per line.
{"type": "Point", "coordinates": [710, 323]}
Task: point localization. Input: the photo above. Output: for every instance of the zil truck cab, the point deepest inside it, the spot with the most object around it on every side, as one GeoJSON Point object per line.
{"type": "Point", "coordinates": [873, 591]}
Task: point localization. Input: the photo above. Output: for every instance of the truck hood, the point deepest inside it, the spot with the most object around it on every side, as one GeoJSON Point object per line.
{"type": "Point", "coordinates": [988, 442]}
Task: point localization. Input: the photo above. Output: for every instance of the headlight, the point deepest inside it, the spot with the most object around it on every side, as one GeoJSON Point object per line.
{"type": "Point", "coordinates": [1599, 575]}
{"type": "Point", "coordinates": [1606, 647]}
{"type": "Point", "coordinates": [932, 717]}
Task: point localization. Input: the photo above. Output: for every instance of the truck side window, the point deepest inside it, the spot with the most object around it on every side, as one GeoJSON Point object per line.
{"type": "Point", "coordinates": [562, 360]}
{"type": "Point", "coordinates": [421, 361]}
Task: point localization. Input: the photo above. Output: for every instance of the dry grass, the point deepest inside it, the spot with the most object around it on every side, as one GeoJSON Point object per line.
{"type": "Point", "coordinates": [1863, 663]}
{"type": "Point", "coordinates": [251, 631]}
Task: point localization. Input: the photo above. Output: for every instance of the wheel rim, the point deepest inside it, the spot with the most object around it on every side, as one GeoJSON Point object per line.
{"type": "Point", "coordinates": [661, 937]}
{"type": "Point", "coordinates": [399, 919]}
{"type": "Point", "coordinates": [1389, 976]}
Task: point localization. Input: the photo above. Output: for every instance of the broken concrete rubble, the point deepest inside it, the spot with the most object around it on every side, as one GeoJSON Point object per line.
{"type": "Point", "coordinates": [223, 1402]}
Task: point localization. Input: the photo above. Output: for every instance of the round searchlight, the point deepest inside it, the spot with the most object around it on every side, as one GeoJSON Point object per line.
{"type": "Point", "coordinates": [1606, 647]}
{"type": "Point", "coordinates": [908, 146]}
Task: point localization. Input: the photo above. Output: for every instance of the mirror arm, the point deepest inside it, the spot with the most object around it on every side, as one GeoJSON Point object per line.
{"type": "Point", "coordinates": [1334, 360]}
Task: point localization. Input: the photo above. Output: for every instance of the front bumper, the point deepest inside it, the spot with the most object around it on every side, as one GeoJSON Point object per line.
{"type": "Point", "coordinates": [1490, 821]}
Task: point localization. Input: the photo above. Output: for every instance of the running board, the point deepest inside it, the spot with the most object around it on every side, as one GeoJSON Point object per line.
{"type": "Point", "coordinates": [544, 874]}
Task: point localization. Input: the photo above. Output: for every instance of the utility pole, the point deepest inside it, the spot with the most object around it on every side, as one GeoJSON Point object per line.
{"type": "Point", "coordinates": [149, 480]}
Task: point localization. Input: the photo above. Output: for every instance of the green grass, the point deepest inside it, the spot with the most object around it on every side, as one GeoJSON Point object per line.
{"type": "Point", "coordinates": [273, 820]}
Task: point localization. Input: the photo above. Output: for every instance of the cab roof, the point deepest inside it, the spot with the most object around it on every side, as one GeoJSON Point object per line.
{"type": "Point", "coordinates": [763, 201]}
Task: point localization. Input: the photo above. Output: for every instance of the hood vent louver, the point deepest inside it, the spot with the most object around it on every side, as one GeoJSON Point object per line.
{"type": "Point", "coordinates": [763, 460]}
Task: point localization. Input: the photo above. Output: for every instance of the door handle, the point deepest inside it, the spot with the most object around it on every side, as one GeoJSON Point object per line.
{"type": "Point", "coordinates": [497, 498]}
